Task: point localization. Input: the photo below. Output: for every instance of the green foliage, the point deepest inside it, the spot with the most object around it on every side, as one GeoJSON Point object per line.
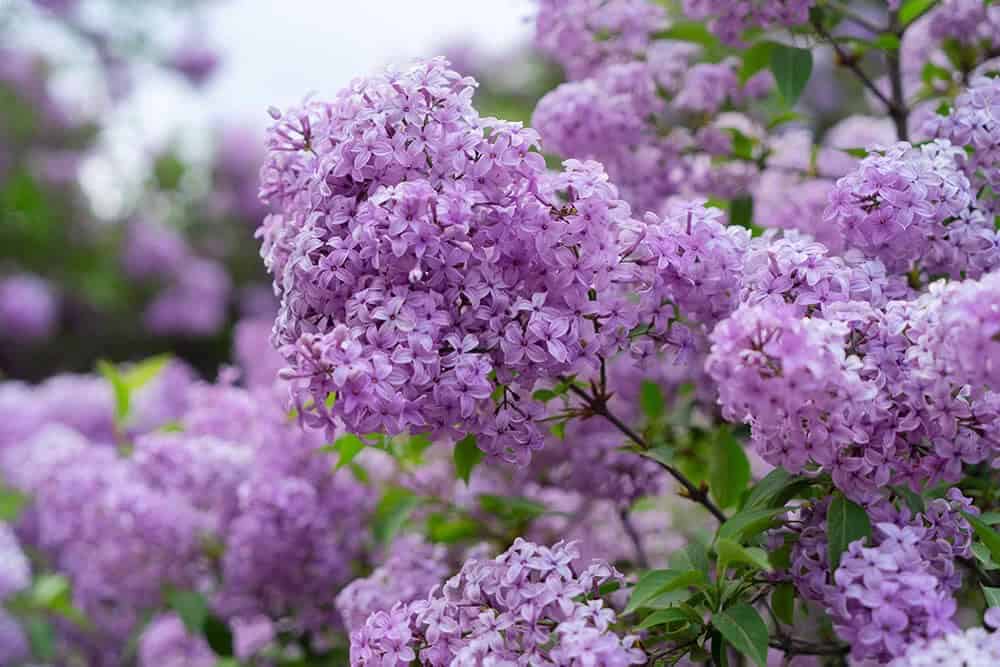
{"type": "Point", "coordinates": [125, 381]}
{"type": "Point", "coordinates": [467, 456]}
{"type": "Point", "coordinates": [911, 10]}
{"type": "Point", "coordinates": [729, 469]}
{"type": "Point", "coordinates": [987, 536]}
{"type": "Point", "coordinates": [745, 630]}
{"type": "Point", "coordinates": [511, 509]}
{"type": "Point", "coordinates": [392, 513]}
{"type": "Point", "coordinates": [651, 399]}
{"type": "Point", "coordinates": [792, 68]}
{"type": "Point", "coordinates": [655, 583]}
{"type": "Point", "coordinates": [846, 522]}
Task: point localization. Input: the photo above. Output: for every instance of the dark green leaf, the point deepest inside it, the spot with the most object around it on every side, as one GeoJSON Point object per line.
{"type": "Point", "coordinates": [912, 500]}
{"type": "Point", "coordinates": [673, 615]}
{"type": "Point", "coordinates": [748, 522]}
{"type": "Point", "coordinates": [651, 399]}
{"type": "Point", "coordinates": [792, 68]}
{"type": "Point", "coordinates": [743, 627]}
{"type": "Point", "coordinates": [447, 531]}
{"type": "Point", "coordinates": [887, 42]}
{"type": "Point", "coordinates": [777, 487]}
{"type": "Point", "coordinates": [783, 603]}
{"type": "Point", "coordinates": [756, 58]}
{"type": "Point", "coordinates": [192, 609]}
{"type": "Point", "coordinates": [689, 31]}
{"type": "Point", "coordinates": [982, 554]}
{"type": "Point", "coordinates": [657, 582]}
{"type": "Point", "coordinates": [730, 552]}
{"type": "Point", "coordinates": [466, 456]}
{"type": "Point", "coordinates": [692, 557]}
{"type": "Point", "coordinates": [989, 537]}
{"type": "Point", "coordinates": [219, 636]}
{"type": "Point", "coordinates": [741, 212]}
{"type": "Point", "coordinates": [720, 654]}
{"type": "Point", "coordinates": [392, 512]}
{"type": "Point", "coordinates": [846, 522]}
{"type": "Point", "coordinates": [992, 596]}
{"type": "Point", "coordinates": [513, 509]}
{"type": "Point", "coordinates": [729, 468]}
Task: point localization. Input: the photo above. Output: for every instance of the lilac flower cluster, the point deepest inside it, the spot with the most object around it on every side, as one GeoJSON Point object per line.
{"type": "Point", "coordinates": [424, 266]}
{"type": "Point", "coordinates": [896, 590]}
{"type": "Point", "coordinates": [167, 643]}
{"type": "Point", "coordinates": [974, 121]}
{"type": "Point", "coordinates": [898, 206]}
{"type": "Point", "coordinates": [585, 35]}
{"type": "Point", "coordinates": [966, 21]}
{"type": "Point", "coordinates": [970, 313]}
{"type": "Point", "coordinates": [729, 19]}
{"type": "Point", "coordinates": [532, 604]}
{"type": "Point", "coordinates": [975, 646]}
{"type": "Point", "coordinates": [791, 379]}
{"type": "Point", "coordinates": [29, 309]}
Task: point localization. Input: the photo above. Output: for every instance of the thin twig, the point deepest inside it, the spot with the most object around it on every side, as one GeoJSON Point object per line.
{"type": "Point", "coordinates": [897, 110]}
{"type": "Point", "coordinates": [851, 63]}
{"type": "Point", "coordinates": [640, 552]}
{"type": "Point", "coordinates": [598, 405]}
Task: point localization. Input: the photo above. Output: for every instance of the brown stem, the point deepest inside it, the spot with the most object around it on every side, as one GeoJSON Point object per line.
{"type": "Point", "coordinates": [897, 110]}
{"type": "Point", "coordinates": [598, 405]}
{"type": "Point", "coordinates": [640, 552]}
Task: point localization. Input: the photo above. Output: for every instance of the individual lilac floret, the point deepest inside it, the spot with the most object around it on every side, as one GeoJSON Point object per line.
{"type": "Point", "coordinates": [527, 606]}
{"type": "Point", "coordinates": [584, 35]}
{"type": "Point", "coordinates": [29, 309]}
{"type": "Point", "coordinates": [897, 205]}
{"type": "Point", "coordinates": [430, 269]}
{"type": "Point", "coordinates": [729, 18]}
{"type": "Point", "coordinates": [968, 648]}
{"type": "Point", "coordinates": [166, 643]}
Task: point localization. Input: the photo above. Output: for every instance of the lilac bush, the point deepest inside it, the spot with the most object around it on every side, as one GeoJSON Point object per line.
{"type": "Point", "coordinates": [693, 370]}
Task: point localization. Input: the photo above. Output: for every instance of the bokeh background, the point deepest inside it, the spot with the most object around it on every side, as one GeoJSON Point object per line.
{"type": "Point", "coordinates": [131, 134]}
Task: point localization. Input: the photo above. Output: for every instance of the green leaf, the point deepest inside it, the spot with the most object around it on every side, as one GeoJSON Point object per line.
{"type": "Point", "coordinates": [729, 468]}
{"type": "Point", "coordinates": [657, 582]}
{"type": "Point", "coordinates": [855, 152]}
{"type": "Point", "coordinates": [192, 609]}
{"type": "Point", "coordinates": [466, 456]}
{"type": "Point", "coordinates": [651, 399]}
{"type": "Point", "coordinates": [782, 118]}
{"type": "Point", "coordinates": [692, 557]}
{"type": "Point", "coordinates": [219, 636]}
{"type": "Point", "coordinates": [392, 512]}
{"type": "Point", "coordinates": [774, 490]}
{"type": "Point", "coordinates": [989, 537]}
{"type": "Point", "coordinates": [748, 522]}
{"type": "Point", "coordinates": [671, 616]}
{"type": "Point", "coordinates": [743, 627]}
{"type": "Point", "coordinates": [982, 554]}
{"type": "Point", "coordinates": [124, 383]}
{"type": "Point", "coordinates": [887, 42]}
{"type": "Point", "coordinates": [912, 500]}
{"type": "Point", "coordinates": [11, 503]}
{"type": "Point", "coordinates": [756, 58]}
{"type": "Point", "coordinates": [992, 596]}
{"type": "Point", "coordinates": [792, 68]}
{"type": "Point", "coordinates": [118, 386]}
{"type": "Point", "coordinates": [783, 603]}
{"type": "Point", "coordinates": [663, 455]}
{"type": "Point", "coordinates": [689, 31]}
{"type": "Point", "coordinates": [448, 531]}
{"type": "Point", "coordinates": [41, 637]}
{"type": "Point", "coordinates": [911, 10]}
{"type": "Point", "coordinates": [512, 509]}
{"type": "Point", "coordinates": [741, 212]}
{"type": "Point", "coordinates": [846, 522]}
{"type": "Point", "coordinates": [730, 552]}
{"type": "Point", "coordinates": [720, 656]}
{"type": "Point", "coordinates": [347, 446]}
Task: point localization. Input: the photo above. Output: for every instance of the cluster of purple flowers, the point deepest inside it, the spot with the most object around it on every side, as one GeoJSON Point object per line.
{"type": "Point", "coordinates": [895, 590]}
{"type": "Point", "coordinates": [430, 269]}
{"type": "Point", "coordinates": [730, 19]}
{"type": "Point", "coordinates": [532, 603]}
{"type": "Point", "coordinates": [29, 310]}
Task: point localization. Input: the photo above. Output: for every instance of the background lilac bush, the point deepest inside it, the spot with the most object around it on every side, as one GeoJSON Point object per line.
{"type": "Point", "coordinates": [685, 352]}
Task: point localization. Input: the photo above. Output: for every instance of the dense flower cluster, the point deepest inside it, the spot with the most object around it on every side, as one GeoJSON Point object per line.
{"type": "Point", "coordinates": [730, 19]}
{"type": "Point", "coordinates": [583, 35]}
{"type": "Point", "coordinates": [28, 308]}
{"type": "Point", "coordinates": [531, 603]}
{"type": "Point", "coordinates": [15, 576]}
{"type": "Point", "coordinates": [430, 269]}
{"type": "Point", "coordinates": [975, 646]}
{"type": "Point", "coordinates": [974, 121]}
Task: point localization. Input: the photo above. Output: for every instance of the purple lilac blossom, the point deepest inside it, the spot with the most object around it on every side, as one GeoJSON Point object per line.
{"type": "Point", "coordinates": [528, 604]}
{"type": "Point", "coordinates": [415, 257]}
{"type": "Point", "coordinates": [29, 310]}
{"type": "Point", "coordinates": [166, 643]}
{"type": "Point", "coordinates": [729, 18]}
